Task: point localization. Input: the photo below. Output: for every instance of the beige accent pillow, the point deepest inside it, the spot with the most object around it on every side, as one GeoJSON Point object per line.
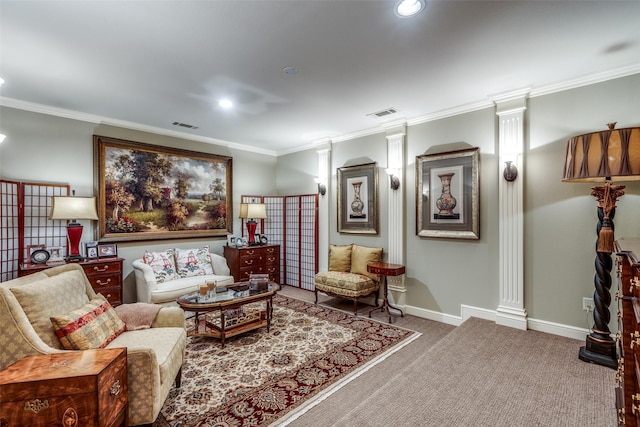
{"type": "Point", "coordinates": [94, 325]}
{"type": "Point", "coordinates": [363, 255]}
{"type": "Point", "coordinates": [49, 297]}
{"type": "Point", "coordinates": [340, 258]}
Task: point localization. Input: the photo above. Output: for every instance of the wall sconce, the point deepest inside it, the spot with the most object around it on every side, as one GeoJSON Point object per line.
{"type": "Point", "coordinates": [322, 189]}
{"type": "Point", "coordinates": [510, 172]}
{"type": "Point", "coordinates": [393, 179]}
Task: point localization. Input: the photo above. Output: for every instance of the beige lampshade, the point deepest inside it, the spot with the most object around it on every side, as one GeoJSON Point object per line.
{"type": "Point", "coordinates": [253, 210]}
{"type": "Point", "coordinates": [611, 153]}
{"type": "Point", "coordinates": [72, 207]}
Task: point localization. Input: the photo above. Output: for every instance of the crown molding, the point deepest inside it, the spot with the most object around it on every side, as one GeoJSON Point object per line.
{"type": "Point", "coordinates": [91, 118]}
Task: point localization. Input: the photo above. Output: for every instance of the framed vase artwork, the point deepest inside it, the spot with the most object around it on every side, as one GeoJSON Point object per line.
{"type": "Point", "coordinates": [357, 199]}
{"type": "Point", "coordinates": [448, 195]}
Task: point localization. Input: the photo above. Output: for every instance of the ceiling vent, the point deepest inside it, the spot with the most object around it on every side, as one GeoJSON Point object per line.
{"type": "Point", "coordinates": [185, 125]}
{"type": "Point", "coordinates": [383, 113]}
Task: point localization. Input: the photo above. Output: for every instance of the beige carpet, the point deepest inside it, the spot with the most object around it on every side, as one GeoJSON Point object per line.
{"type": "Point", "coordinates": [480, 374]}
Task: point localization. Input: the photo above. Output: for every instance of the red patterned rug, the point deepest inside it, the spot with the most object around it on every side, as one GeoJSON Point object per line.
{"type": "Point", "coordinates": [261, 377]}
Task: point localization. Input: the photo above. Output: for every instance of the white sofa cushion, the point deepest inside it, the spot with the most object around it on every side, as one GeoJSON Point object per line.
{"type": "Point", "coordinates": [193, 262]}
{"type": "Point", "coordinates": [162, 263]}
{"type": "Point", "coordinates": [172, 290]}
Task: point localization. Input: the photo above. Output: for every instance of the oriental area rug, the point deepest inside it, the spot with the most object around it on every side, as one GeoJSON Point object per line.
{"type": "Point", "coordinates": [261, 378]}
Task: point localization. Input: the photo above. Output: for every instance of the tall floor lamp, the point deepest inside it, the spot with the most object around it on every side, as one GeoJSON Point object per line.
{"type": "Point", "coordinates": [606, 156]}
{"type": "Point", "coordinates": [74, 208]}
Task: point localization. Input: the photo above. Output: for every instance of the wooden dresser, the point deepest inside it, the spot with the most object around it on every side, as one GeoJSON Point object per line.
{"type": "Point", "coordinates": [248, 260]}
{"type": "Point", "coordinates": [628, 336]}
{"type": "Point", "coordinates": [105, 275]}
{"type": "Point", "coordinates": [75, 389]}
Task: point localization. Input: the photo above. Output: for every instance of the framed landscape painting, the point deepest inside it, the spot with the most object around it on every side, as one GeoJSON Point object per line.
{"type": "Point", "coordinates": [357, 199]}
{"type": "Point", "coordinates": [448, 195]}
{"type": "Point", "coordinates": [148, 192]}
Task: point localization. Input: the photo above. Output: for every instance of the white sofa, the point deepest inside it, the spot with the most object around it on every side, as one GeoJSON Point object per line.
{"type": "Point", "coordinates": [152, 289]}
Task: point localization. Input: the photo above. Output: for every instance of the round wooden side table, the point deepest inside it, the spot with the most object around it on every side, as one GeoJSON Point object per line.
{"type": "Point", "coordinates": [385, 269]}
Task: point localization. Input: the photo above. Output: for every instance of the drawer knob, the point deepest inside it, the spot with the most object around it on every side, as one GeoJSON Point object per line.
{"type": "Point", "coordinates": [101, 283]}
{"type": "Point", "coordinates": [115, 388]}
{"type": "Point", "coordinates": [36, 405]}
{"type": "Point", "coordinates": [100, 270]}
{"type": "Point", "coordinates": [248, 262]}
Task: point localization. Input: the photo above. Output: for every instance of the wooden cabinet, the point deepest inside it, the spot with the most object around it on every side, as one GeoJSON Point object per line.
{"type": "Point", "coordinates": [628, 336]}
{"type": "Point", "coordinates": [75, 389]}
{"type": "Point", "coordinates": [253, 260]}
{"type": "Point", "coordinates": [105, 276]}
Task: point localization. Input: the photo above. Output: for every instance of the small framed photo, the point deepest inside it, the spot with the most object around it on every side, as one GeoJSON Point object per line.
{"type": "Point", "coordinates": [91, 249]}
{"type": "Point", "coordinates": [31, 249]}
{"type": "Point", "coordinates": [107, 250]}
{"type": "Point", "coordinates": [231, 240]}
{"type": "Point", "coordinates": [56, 254]}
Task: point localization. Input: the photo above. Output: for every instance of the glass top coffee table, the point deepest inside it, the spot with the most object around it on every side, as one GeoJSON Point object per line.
{"type": "Point", "coordinates": [230, 302]}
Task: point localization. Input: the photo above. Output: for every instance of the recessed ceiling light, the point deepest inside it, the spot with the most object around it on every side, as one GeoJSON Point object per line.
{"type": "Point", "coordinates": [290, 70]}
{"type": "Point", "coordinates": [407, 8]}
{"type": "Point", "coordinates": [225, 103]}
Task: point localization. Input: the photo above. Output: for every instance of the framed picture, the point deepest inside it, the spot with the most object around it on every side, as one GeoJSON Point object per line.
{"type": "Point", "coordinates": [56, 254]}
{"type": "Point", "coordinates": [357, 199]}
{"type": "Point", "coordinates": [91, 249]}
{"type": "Point", "coordinates": [31, 249]}
{"type": "Point", "coordinates": [448, 195]}
{"type": "Point", "coordinates": [107, 250]}
{"type": "Point", "coordinates": [148, 192]}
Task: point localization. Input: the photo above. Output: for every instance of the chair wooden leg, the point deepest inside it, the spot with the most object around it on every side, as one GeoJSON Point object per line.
{"type": "Point", "coordinates": [316, 292]}
{"type": "Point", "coordinates": [179, 378]}
{"type": "Point", "coordinates": [355, 307]}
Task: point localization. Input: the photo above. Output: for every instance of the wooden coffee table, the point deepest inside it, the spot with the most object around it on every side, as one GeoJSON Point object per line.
{"type": "Point", "coordinates": [230, 303]}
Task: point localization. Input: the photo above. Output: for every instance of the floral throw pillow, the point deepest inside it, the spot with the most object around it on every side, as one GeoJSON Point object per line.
{"type": "Point", "coordinates": [193, 262]}
{"type": "Point", "coordinates": [162, 264]}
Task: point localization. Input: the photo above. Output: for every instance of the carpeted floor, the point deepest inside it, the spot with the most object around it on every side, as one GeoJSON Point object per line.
{"type": "Point", "coordinates": [478, 374]}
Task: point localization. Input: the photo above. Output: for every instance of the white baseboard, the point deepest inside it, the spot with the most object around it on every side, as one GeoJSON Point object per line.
{"type": "Point", "coordinates": [491, 315]}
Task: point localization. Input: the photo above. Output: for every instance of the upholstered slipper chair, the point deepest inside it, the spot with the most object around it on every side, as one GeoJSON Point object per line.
{"type": "Point", "coordinates": [56, 309]}
{"type": "Point", "coordinates": [348, 276]}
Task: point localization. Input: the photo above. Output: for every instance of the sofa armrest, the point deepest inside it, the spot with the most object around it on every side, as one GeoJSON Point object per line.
{"type": "Point", "coordinates": [169, 317]}
{"type": "Point", "coordinates": [219, 264]}
{"type": "Point", "coordinates": [145, 280]}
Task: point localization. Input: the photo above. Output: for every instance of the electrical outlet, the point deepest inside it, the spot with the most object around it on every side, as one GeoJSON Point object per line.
{"type": "Point", "coordinates": [587, 304]}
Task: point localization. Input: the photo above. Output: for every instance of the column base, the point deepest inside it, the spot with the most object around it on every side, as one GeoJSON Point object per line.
{"type": "Point", "coordinates": [599, 352]}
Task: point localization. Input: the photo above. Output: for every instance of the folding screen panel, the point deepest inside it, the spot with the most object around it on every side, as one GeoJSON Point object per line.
{"type": "Point", "coordinates": [292, 222]}
{"type": "Point", "coordinates": [24, 222]}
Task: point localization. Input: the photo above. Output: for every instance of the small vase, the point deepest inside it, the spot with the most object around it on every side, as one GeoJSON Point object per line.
{"type": "Point", "coordinates": [446, 202]}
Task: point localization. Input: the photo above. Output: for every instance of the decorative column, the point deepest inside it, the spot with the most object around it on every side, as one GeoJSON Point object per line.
{"type": "Point", "coordinates": [324, 162]}
{"type": "Point", "coordinates": [395, 205]}
{"type": "Point", "coordinates": [510, 110]}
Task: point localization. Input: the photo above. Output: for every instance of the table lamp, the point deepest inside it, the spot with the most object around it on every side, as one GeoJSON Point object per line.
{"type": "Point", "coordinates": [251, 212]}
{"type": "Point", "coordinates": [74, 208]}
{"type": "Point", "coordinates": [606, 156]}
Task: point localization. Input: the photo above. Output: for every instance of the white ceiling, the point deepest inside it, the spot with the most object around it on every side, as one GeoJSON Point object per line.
{"type": "Point", "coordinates": [150, 63]}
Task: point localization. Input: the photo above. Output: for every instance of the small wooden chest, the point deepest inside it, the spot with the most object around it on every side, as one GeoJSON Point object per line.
{"type": "Point", "coordinates": [75, 389]}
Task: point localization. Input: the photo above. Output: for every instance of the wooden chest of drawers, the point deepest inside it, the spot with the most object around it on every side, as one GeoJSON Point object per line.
{"type": "Point", "coordinates": [253, 260]}
{"type": "Point", "coordinates": [75, 389]}
{"type": "Point", "coordinates": [105, 276]}
{"type": "Point", "coordinates": [628, 336]}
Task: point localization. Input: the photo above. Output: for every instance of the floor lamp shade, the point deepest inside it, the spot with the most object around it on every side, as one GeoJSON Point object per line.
{"type": "Point", "coordinates": [74, 208]}
{"type": "Point", "coordinates": [251, 212]}
{"type": "Point", "coordinates": [606, 156]}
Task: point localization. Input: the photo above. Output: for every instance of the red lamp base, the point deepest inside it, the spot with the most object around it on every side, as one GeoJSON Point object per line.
{"type": "Point", "coordinates": [251, 230]}
{"type": "Point", "coordinates": [74, 235]}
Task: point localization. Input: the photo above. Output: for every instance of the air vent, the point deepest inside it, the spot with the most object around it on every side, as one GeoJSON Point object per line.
{"type": "Point", "coordinates": [185, 125]}
{"type": "Point", "coordinates": [383, 113]}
